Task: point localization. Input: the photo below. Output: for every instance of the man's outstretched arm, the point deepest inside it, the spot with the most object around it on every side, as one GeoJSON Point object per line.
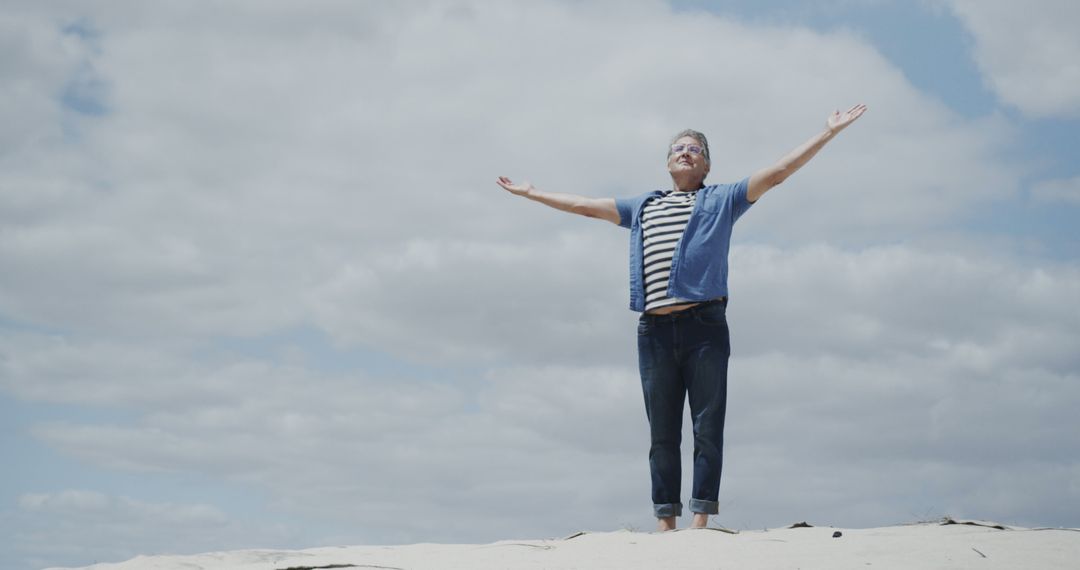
{"type": "Point", "coordinates": [767, 178]}
{"type": "Point", "coordinates": [602, 208]}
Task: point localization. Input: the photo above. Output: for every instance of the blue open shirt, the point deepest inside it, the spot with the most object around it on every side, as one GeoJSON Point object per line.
{"type": "Point", "coordinates": [699, 265]}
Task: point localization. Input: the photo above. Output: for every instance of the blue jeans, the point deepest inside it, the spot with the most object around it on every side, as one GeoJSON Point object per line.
{"type": "Point", "coordinates": [685, 353]}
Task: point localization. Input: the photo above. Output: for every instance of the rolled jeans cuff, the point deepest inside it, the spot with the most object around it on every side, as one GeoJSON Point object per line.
{"type": "Point", "coordinates": [704, 507]}
{"type": "Point", "coordinates": [667, 510]}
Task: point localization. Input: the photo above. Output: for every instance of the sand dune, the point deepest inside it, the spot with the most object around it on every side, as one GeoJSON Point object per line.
{"type": "Point", "coordinates": [946, 544]}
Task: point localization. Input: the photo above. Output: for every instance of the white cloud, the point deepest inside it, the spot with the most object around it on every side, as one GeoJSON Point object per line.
{"type": "Point", "coordinates": [66, 500]}
{"type": "Point", "coordinates": [255, 168]}
{"type": "Point", "coordinates": [1066, 190]}
{"type": "Point", "coordinates": [76, 526]}
{"type": "Point", "coordinates": [847, 380]}
{"type": "Point", "coordinates": [75, 503]}
{"type": "Point", "coordinates": [318, 442]}
{"type": "Point", "coordinates": [1028, 52]}
{"type": "Point", "coordinates": [979, 312]}
{"type": "Point", "coordinates": [332, 169]}
{"type": "Point", "coordinates": [37, 58]}
{"type": "Point", "coordinates": [480, 301]}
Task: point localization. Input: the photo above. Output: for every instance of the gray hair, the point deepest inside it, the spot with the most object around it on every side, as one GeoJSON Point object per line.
{"type": "Point", "coordinates": [695, 134]}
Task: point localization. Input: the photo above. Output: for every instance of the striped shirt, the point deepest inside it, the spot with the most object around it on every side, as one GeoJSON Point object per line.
{"type": "Point", "coordinates": [662, 222]}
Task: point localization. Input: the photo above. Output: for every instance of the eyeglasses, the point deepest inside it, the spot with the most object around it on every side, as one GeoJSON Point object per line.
{"type": "Point", "coordinates": [690, 148]}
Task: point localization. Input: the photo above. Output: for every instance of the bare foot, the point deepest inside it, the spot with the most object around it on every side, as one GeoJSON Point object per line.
{"type": "Point", "coordinates": [701, 520]}
{"type": "Point", "coordinates": [665, 523]}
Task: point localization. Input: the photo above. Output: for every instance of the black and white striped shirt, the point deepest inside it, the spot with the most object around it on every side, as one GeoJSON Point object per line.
{"type": "Point", "coordinates": [663, 222]}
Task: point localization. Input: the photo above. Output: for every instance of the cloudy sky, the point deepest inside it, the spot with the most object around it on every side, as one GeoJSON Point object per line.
{"type": "Point", "coordinates": [258, 287]}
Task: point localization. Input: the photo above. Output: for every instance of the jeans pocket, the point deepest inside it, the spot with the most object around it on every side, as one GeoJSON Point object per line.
{"type": "Point", "coordinates": [715, 315]}
{"type": "Point", "coordinates": [642, 327]}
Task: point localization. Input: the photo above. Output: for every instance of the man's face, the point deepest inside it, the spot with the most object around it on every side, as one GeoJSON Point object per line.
{"type": "Point", "coordinates": [683, 160]}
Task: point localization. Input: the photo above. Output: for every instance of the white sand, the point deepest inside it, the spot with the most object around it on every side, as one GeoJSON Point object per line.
{"type": "Point", "coordinates": [921, 546]}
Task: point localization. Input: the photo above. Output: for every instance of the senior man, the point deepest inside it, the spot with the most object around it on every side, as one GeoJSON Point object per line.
{"type": "Point", "coordinates": [679, 241]}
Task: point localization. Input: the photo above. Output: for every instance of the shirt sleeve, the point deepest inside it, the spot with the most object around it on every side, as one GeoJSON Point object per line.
{"type": "Point", "coordinates": [740, 204]}
{"type": "Point", "coordinates": [625, 206]}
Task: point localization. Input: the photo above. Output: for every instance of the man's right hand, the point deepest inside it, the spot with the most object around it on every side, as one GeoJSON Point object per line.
{"type": "Point", "coordinates": [522, 189]}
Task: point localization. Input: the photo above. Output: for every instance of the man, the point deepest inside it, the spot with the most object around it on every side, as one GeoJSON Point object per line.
{"type": "Point", "coordinates": [679, 241]}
